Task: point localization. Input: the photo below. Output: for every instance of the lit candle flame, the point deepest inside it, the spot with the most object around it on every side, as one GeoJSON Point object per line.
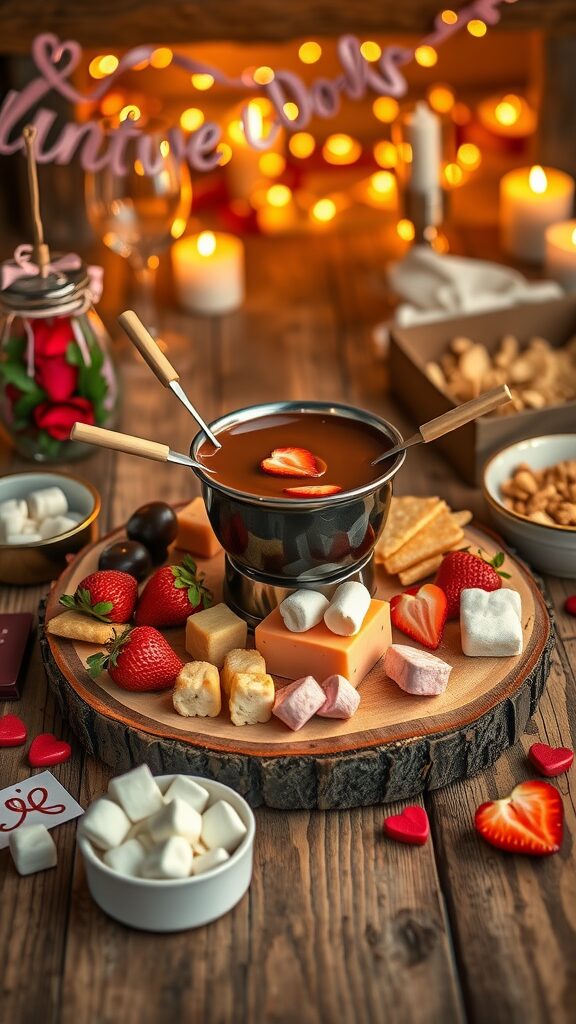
{"type": "Point", "coordinates": [255, 121]}
{"type": "Point", "coordinates": [206, 243]}
{"type": "Point", "coordinates": [537, 179]}
{"type": "Point", "coordinates": [573, 237]}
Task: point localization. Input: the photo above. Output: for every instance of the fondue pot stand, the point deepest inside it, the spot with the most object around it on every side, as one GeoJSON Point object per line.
{"type": "Point", "coordinates": [276, 545]}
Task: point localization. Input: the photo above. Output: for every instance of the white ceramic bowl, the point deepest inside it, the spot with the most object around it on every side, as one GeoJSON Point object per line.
{"type": "Point", "coordinates": [547, 548]}
{"type": "Point", "coordinates": [171, 905]}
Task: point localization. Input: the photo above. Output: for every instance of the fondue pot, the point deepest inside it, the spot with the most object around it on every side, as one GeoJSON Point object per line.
{"type": "Point", "coordinates": [275, 544]}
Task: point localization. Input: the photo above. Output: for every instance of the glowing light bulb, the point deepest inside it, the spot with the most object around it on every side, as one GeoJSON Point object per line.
{"type": "Point", "coordinates": [385, 154]}
{"type": "Point", "coordinates": [202, 81]}
{"type": "Point", "coordinates": [255, 121]}
{"type": "Point", "coordinates": [161, 57]}
{"type": "Point", "coordinates": [310, 52]}
{"type": "Point", "coordinates": [153, 262]}
{"type": "Point", "coordinates": [279, 195]}
{"type": "Point", "coordinates": [226, 153]}
{"type": "Point", "coordinates": [453, 174]}
{"type": "Point", "coordinates": [537, 179]}
{"type": "Point", "coordinates": [425, 56]}
{"type": "Point", "coordinates": [271, 165]}
{"type": "Point", "coordinates": [449, 17]}
{"type": "Point", "coordinates": [341, 149]}
{"type": "Point", "coordinates": [383, 182]}
{"type": "Point", "coordinates": [178, 227]}
{"type": "Point", "coordinates": [130, 112]}
{"type": "Point", "coordinates": [206, 243]}
{"type": "Point", "coordinates": [441, 98]}
{"type": "Point", "coordinates": [301, 144]}
{"type": "Point", "coordinates": [291, 110]}
{"type": "Point", "coordinates": [324, 210]}
{"type": "Point", "coordinates": [263, 75]}
{"type": "Point", "coordinates": [477, 28]}
{"type": "Point", "coordinates": [191, 119]}
{"type": "Point", "coordinates": [370, 50]}
{"type": "Point", "coordinates": [405, 229]}
{"type": "Point", "coordinates": [385, 108]}
{"type": "Point", "coordinates": [469, 156]}
{"type": "Point", "coordinates": [100, 67]}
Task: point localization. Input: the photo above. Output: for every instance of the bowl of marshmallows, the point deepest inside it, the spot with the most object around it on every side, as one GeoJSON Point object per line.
{"type": "Point", "coordinates": [44, 516]}
{"type": "Point", "coordinates": [167, 853]}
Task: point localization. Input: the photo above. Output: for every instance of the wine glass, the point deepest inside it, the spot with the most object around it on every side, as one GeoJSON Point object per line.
{"type": "Point", "coordinates": [137, 215]}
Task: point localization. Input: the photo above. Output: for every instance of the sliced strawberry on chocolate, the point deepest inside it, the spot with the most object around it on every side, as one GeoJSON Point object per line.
{"type": "Point", "coordinates": [107, 594]}
{"type": "Point", "coordinates": [293, 462]}
{"type": "Point", "coordinates": [529, 821]}
{"type": "Point", "coordinates": [421, 613]}
{"type": "Point", "coordinates": [312, 491]}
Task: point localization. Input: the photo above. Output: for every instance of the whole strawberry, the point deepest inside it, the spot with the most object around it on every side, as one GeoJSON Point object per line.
{"type": "Point", "coordinates": [461, 570]}
{"type": "Point", "coordinates": [108, 595]}
{"type": "Point", "coordinates": [138, 659]}
{"type": "Point", "coordinates": [172, 594]}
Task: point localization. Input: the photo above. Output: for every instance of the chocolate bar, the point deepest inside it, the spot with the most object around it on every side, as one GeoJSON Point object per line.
{"type": "Point", "coordinates": [15, 630]}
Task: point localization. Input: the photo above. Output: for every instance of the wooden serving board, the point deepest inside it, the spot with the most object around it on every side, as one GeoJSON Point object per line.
{"type": "Point", "coordinates": [395, 746]}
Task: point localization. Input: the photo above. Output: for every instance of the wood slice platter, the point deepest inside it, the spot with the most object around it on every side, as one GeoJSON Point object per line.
{"type": "Point", "coordinates": [394, 747]}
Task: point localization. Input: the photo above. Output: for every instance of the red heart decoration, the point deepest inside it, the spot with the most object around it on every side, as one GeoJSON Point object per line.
{"type": "Point", "coordinates": [13, 732]}
{"type": "Point", "coordinates": [46, 749]}
{"type": "Point", "coordinates": [550, 761]}
{"type": "Point", "coordinates": [412, 826]}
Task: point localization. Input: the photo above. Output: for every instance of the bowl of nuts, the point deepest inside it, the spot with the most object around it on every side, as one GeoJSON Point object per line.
{"type": "Point", "coordinates": [530, 488]}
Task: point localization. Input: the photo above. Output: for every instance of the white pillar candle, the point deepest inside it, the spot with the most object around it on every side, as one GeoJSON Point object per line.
{"type": "Point", "coordinates": [561, 253]}
{"type": "Point", "coordinates": [423, 134]}
{"type": "Point", "coordinates": [530, 200]}
{"type": "Point", "coordinates": [209, 272]}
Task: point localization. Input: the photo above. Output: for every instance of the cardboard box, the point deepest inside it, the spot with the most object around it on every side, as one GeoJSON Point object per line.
{"type": "Point", "coordinates": [467, 449]}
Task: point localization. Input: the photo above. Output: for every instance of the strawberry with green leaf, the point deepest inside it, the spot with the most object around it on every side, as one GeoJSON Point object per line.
{"type": "Point", "coordinates": [139, 659]}
{"type": "Point", "coordinates": [462, 570]}
{"type": "Point", "coordinates": [172, 594]}
{"type": "Point", "coordinates": [108, 595]}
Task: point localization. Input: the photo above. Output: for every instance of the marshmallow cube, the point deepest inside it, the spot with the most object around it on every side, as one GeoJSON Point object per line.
{"type": "Point", "coordinates": [296, 703]}
{"type": "Point", "coordinates": [49, 501]}
{"type": "Point", "coordinates": [416, 672]}
{"type": "Point", "coordinates": [188, 790]}
{"type": "Point", "coordinates": [137, 792]}
{"type": "Point", "coordinates": [23, 538]}
{"type": "Point", "coordinates": [13, 516]}
{"type": "Point", "coordinates": [342, 699]}
{"type": "Point", "coordinates": [172, 859]}
{"type": "Point", "coordinates": [177, 818]}
{"type": "Point", "coordinates": [303, 609]}
{"type": "Point", "coordinates": [127, 858]}
{"type": "Point", "coordinates": [105, 824]}
{"type": "Point", "coordinates": [13, 506]}
{"type": "Point", "coordinates": [347, 609]}
{"type": "Point", "coordinates": [32, 849]}
{"type": "Point", "coordinates": [207, 861]}
{"type": "Point", "coordinates": [491, 623]}
{"type": "Point", "coordinates": [222, 826]}
{"type": "Point", "coordinates": [53, 526]}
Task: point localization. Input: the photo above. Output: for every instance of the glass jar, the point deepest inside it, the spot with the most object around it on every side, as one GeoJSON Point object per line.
{"type": "Point", "coordinates": [55, 362]}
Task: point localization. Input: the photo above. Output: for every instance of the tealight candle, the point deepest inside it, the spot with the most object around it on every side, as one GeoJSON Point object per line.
{"type": "Point", "coordinates": [423, 134]}
{"type": "Point", "coordinates": [209, 272]}
{"type": "Point", "coordinates": [561, 253]}
{"type": "Point", "coordinates": [530, 200]}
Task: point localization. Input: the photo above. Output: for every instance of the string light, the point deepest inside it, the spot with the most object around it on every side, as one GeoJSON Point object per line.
{"type": "Point", "coordinates": [324, 210]}
{"type": "Point", "coordinates": [202, 81]}
{"type": "Point", "coordinates": [453, 175]}
{"type": "Point", "coordinates": [385, 108]}
{"type": "Point", "coordinates": [279, 195]}
{"type": "Point", "coordinates": [385, 154]}
{"type": "Point", "coordinates": [310, 52]}
{"type": "Point", "coordinates": [341, 149]}
{"type": "Point", "coordinates": [441, 98]}
{"type": "Point", "coordinates": [263, 75]}
{"type": "Point", "coordinates": [271, 165]}
{"type": "Point", "coordinates": [178, 227]}
{"type": "Point", "coordinates": [477, 28]}
{"type": "Point", "coordinates": [164, 147]}
{"type": "Point", "coordinates": [191, 119]}
{"type": "Point", "coordinates": [370, 50]}
{"type": "Point", "coordinates": [130, 112]}
{"type": "Point", "coordinates": [112, 103]}
{"type": "Point", "coordinates": [161, 57]}
{"type": "Point", "coordinates": [405, 229]}
{"type": "Point", "coordinates": [226, 153]}
{"type": "Point", "coordinates": [102, 66]}
{"type": "Point", "coordinates": [139, 168]}
{"type": "Point", "coordinates": [301, 144]}
{"type": "Point", "coordinates": [469, 156]}
{"type": "Point", "coordinates": [291, 110]}
{"type": "Point", "coordinates": [153, 262]}
{"type": "Point", "coordinates": [461, 114]}
{"type": "Point", "coordinates": [449, 17]}
{"type": "Point", "coordinates": [383, 182]}
{"type": "Point", "coordinates": [425, 56]}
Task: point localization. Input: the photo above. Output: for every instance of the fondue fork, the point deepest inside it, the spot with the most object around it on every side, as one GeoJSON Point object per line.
{"type": "Point", "coordinates": [132, 445]}
{"type": "Point", "coordinates": [451, 420]}
{"type": "Point", "coordinates": [161, 366]}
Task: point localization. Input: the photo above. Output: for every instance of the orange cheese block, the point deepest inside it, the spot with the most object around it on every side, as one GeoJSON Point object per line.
{"type": "Point", "coordinates": [194, 531]}
{"type": "Point", "coordinates": [320, 653]}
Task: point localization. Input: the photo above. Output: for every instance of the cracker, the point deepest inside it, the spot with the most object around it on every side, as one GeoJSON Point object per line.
{"type": "Point", "coordinates": [463, 517]}
{"type": "Point", "coordinates": [436, 537]}
{"type": "Point", "coordinates": [407, 515]}
{"type": "Point", "coordinates": [75, 626]}
{"type": "Point", "coordinates": [422, 570]}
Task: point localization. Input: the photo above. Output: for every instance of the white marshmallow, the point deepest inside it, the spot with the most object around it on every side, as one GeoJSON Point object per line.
{"type": "Point", "coordinates": [53, 526]}
{"type": "Point", "coordinates": [342, 699]}
{"type": "Point", "coordinates": [176, 818]}
{"type": "Point", "coordinates": [415, 671]}
{"type": "Point", "coordinates": [303, 609]}
{"type": "Point", "coordinates": [105, 824]}
{"type": "Point", "coordinates": [207, 861]}
{"type": "Point", "coordinates": [12, 519]}
{"type": "Point", "coordinates": [141, 833]}
{"type": "Point", "coordinates": [137, 792]}
{"type": "Point", "coordinates": [222, 826]}
{"type": "Point", "coordinates": [491, 623]}
{"type": "Point", "coordinates": [32, 849]}
{"type": "Point", "coordinates": [348, 608]}
{"type": "Point", "coordinates": [126, 858]}
{"type": "Point", "coordinates": [172, 859]}
{"type": "Point", "coordinates": [11, 506]}
{"type": "Point", "coordinates": [30, 526]}
{"type": "Point", "coordinates": [188, 790]}
{"type": "Point", "coordinates": [49, 501]}
{"type": "Point", "coordinates": [23, 538]}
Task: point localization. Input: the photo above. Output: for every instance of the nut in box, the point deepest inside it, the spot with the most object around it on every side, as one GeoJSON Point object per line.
{"type": "Point", "coordinates": [415, 351]}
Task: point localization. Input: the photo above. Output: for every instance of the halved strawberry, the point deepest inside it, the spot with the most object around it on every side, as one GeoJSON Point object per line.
{"type": "Point", "coordinates": [421, 614]}
{"type": "Point", "coordinates": [530, 820]}
{"type": "Point", "coordinates": [293, 462]}
{"type": "Point", "coordinates": [312, 491]}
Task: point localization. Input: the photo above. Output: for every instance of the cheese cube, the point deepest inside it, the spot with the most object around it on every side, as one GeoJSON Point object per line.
{"type": "Point", "coordinates": [197, 690]}
{"type": "Point", "coordinates": [32, 849]}
{"type": "Point", "coordinates": [195, 533]}
{"type": "Point", "coordinates": [321, 653]}
{"type": "Point", "coordinates": [251, 698]}
{"type": "Point", "coordinates": [212, 633]}
{"type": "Point", "coordinates": [188, 790]}
{"type": "Point", "coordinates": [241, 661]}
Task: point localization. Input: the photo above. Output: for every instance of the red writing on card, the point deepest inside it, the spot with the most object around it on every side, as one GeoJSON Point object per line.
{"type": "Point", "coordinates": [36, 802]}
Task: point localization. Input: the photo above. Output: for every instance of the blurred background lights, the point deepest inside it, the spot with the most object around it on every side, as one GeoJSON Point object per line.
{"type": "Point", "coordinates": [271, 165]}
{"type": "Point", "coordinates": [449, 17]}
{"type": "Point", "coordinates": [469, 156]}
{"type": "Point", "coordinates": [191, 119]}
{"type": "Point", "coordinates": [385, 154]}
{"type": "Point", "coordinates": [301, 144]}
{"type": "Point", "coordinates": [341, 149]}
{"type": "Point", "coordinates": [405, 229]}
{"type": "Point", "coordinates": [279, 195]}
{"type": "Point", "coordinates": [324, 210]}
{"type": "Point", "coordinates": [291, 110]}
{"type": "Point", "coordinates": [385, 108]}
{"type": "Point", "coordinates": [263, 75]}
{"type": "Point", "coordinates": [425, 56]}
{"type": "Point", "coordinates": [370, 50]}
{"type": "Point", "coordinates": [310, 52]}
{"type": "Point", "coordinates": [100, 67]}
{"type": "Point", "coordinates": [202, 82]}
{"type": "Point", "coordinates": [477, 28]}
{"type": "Point", "coordinates": [441, 98]}
{"type": "Point", "coordinates": [130, 112]}
{"type": "Point", "coordinates": [161, 57]}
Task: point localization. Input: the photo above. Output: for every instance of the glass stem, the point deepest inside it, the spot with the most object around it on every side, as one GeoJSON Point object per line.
{"type": "Point", "coordinates": [146, 296]}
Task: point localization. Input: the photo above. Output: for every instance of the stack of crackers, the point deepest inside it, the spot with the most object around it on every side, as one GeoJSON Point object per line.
{"type": "Point", "coordinates": [418, 532]}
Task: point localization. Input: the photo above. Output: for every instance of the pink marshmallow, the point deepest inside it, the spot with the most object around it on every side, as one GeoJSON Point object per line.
{"type": "Point", "coordinates": [342, 699]}
{"type": "Point", "coordinates": [415, 671]}
{"type": "Point", "coordinates": [296, 703]}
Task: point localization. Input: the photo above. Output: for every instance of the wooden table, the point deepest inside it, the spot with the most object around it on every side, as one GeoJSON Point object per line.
{"type": "Point", "coordinates": [339, 925]}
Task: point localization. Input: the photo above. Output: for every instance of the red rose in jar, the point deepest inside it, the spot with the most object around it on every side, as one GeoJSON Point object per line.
{"type": "Point", "coordinates": [57, 419]}
{"type": "Point", "coordinates": [51, 337]}
{"type": "Point", "coordinates": [57, 378]}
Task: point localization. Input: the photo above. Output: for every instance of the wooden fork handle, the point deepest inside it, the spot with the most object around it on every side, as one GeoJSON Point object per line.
{"type": "Point", "coordinates": [465, 413]}
{"type": "Point", "coordinates": [147, 347]}
{"type": "Point", "coordinates": [119, 442]}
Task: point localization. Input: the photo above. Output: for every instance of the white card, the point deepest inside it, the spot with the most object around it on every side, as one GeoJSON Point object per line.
{"type": "Point", "coordinates": [39, 800]}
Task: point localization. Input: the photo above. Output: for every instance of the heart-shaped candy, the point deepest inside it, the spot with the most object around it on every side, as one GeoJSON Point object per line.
{"type": "Point", "coordinates": [412, 826]}
{"type": "Point", "coordinates": [46, 750]}
{"type": "Point", "coordinates": [550, 761]}
{"type": "Point", "coordinates": [13, 732]}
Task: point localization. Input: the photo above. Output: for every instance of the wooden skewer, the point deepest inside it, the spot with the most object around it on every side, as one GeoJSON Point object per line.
{"type": "Point", "coordinates": [131, 445]}
{"type": "Point", "coordinates": [41, 250]}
